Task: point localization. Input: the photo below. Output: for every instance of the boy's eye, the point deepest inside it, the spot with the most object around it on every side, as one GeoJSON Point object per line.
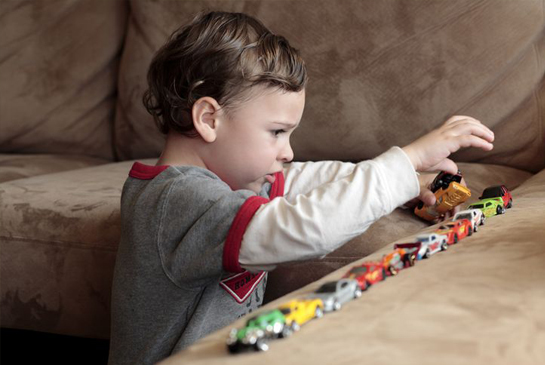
{"type": "Point", "coordinates": [276, 132]}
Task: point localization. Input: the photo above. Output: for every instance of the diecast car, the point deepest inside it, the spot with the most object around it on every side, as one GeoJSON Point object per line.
{"type": "Point", "coordinates": [489, 207]}
{"type": "Point", "coordinates": [455, 231]}
{"type": "Point", "coordinates": [299, 311]}
{"type": "Point", "coordinates": [396, 260]}
{"type": "Point", "coordinates": [475, 216]}
{"type": "Point", "coordinates": [498, 191]}
{"type": "Point", "coordinates": [258, 330]}
{"type": "Point", "coordinates": [434, 242]}
{"type": "Point", "coordinates": [336, 293]}
{"type": "Point", "coordinates": [448, 191]}
{"type": "Point", "coordinates": [422, 250]}
{"type": "Point", "coordinates": [367, 274]}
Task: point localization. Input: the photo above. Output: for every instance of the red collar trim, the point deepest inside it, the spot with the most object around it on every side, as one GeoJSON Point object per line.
{"type": "Point", "coordinates": [146, 172]}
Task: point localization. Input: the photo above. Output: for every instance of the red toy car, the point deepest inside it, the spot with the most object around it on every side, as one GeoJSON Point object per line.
{"type": "Point", "coordinates": [498, 191]}
{"type": "Point", "coordinates": [456, 230]}
{"type": "Point", "coordinates": [367, 274]}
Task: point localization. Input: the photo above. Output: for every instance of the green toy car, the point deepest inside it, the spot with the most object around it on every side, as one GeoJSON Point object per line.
{"type": "Point", "coordinates": [258, 330]}
{"type": "Point", "coordinates": [489, 207]}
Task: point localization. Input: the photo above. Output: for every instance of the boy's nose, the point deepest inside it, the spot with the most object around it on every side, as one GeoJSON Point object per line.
{"type": "Point", "coordinates": [286, 155]}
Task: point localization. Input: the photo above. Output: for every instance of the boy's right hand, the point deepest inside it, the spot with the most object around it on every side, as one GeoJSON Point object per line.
{"type": "Point", "coordinates": [430, 152]}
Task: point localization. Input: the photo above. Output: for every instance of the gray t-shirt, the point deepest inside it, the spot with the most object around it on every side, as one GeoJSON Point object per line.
{"type": "Point", "coordinates": [170, 287]}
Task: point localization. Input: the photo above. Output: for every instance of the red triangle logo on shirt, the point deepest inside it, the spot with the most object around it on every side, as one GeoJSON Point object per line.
{"type": "Point", "coordinates": [241, 285]}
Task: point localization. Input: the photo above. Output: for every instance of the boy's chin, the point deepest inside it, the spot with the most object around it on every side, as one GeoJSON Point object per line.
{"type": "Point", "coordinates": [256, 186]}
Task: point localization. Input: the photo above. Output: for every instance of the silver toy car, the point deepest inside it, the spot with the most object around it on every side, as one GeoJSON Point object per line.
{"type": "Point", "coordinates": [336, 293]}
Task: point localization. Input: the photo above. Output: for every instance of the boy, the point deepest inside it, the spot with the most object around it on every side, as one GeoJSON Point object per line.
{"type": "Point", "coordinates": [201, 228]}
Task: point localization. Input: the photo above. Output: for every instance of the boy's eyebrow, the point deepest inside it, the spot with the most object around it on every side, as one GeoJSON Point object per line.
{"type": "Point", "coordinates": [287, 124]}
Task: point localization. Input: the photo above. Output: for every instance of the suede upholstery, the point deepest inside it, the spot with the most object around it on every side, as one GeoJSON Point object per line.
{"type": "Point", "coordinates": [480, 302]}
{"type": "Point", "coordinates": [381, 74]}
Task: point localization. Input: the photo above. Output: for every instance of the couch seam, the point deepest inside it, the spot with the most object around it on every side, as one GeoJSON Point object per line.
{"type": "Point", "coordinates": [70, 244]}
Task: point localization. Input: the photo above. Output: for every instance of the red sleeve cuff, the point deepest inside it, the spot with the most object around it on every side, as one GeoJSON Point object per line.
{"type": "Point", "coordinates": [231, 249]}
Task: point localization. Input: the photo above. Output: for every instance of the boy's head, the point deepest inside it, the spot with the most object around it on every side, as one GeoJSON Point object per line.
{"type": "Point", "coordinates": [239, 89]}
{"type": "Point", "coordinates": [219, 55]}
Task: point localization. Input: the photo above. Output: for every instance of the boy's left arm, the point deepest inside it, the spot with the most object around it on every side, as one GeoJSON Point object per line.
{"type": "Point", "coordinates": [312, 224]}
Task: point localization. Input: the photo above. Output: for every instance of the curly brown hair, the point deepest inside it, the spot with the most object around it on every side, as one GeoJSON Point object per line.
{"type": "Point", "coordinates": [220, 55]}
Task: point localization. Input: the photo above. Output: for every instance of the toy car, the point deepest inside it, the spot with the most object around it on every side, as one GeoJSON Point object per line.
{"type": "Point", "coordinates": [367, 274]}
{"type": "Point", "coordinates": [455, 231]}
{"type": "Point", "coordinates": [489, 207]}
{"type": "Point", "coordinates": [258, 330]}
{"type": "Point", "coordinates": [336, 293]}
{"type": "Point", "coordinates": [448, 191]}
{"type": "Point", "coordinates": [475, 216]}
{"type": "Point", "coordinates": [299, 311]}
{"type": "Point", "coordinates": [435, 242]}
{"type": "Point", "coordinates": [498, 191]}
{"type": "Point", "coordinates": [425, 248]}
{"type": "Point", "coordinates": [396, 260]}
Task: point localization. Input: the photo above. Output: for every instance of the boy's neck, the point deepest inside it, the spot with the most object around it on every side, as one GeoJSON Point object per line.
{"type": "Point", "coordinates": [181, 151]}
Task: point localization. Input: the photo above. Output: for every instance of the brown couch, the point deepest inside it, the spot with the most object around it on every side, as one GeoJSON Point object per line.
{"type": "Point", "coordinates": [381, 74]}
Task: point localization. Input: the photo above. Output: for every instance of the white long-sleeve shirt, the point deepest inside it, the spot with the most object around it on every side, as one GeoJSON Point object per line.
{"type": "Point", "coordinates": [325, 205]}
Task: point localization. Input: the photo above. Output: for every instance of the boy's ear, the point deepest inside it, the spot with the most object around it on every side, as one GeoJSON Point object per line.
{"type": "Point", "coordinates": [205, 113]}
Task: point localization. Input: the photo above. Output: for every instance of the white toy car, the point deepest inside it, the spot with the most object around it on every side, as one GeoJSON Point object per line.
{"type": "Point", "coordinates": [431, 243]}
{"type": "Point", "coordinates": [475, 216]}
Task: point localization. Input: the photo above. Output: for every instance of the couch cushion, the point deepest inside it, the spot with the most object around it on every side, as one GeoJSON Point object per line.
{"type": "Point", "coordinates": [399, 223]}
{"type": "Point", "coordinates": [383, 73]}
{"type": "Point", "coordinates": [58, 66]}
{"type": "Point", "coordinates": [481, 302]}
{"type": "Point", "coordinates": [13, 167]}
{"type": "Point", "coordinates": [58, 240]}
{"type": "Point", "coordinates": [65, 226]}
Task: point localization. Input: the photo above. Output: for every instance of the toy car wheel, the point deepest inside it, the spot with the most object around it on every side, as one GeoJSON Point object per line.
{"type": "Point", "coordinates": [500, 210]}
{"type": "Point", "coordinates": [286, 332]}
{"type": "Point", "coordinates": [510, 204]}
{"type": "Point", "coordinates": [318, 313]}
{"type": "Point", "coordinates": [444, 246]}
{"type": "Point", "coordinates": [383, 274]}
{"type": "Point", "coordinates": [455, 238]}
{"type": "Point", "coordinates": [411, 260]}
{"type": "Point", "coordinates": [392, 270]}
{"type": "Point", "coordinates": [233, 348]}
{"type": "Point", "coordinates": [295, 326]}
{"type": "Point", "coordinates": [357, 293]}
{"type": "Point", "coordinates": [337, 306]}
{"type": "Point", "coordinates": [469, 231]}
{"type": "Point", "coordinates": [427, 254]}
{"type": "Point", "coordinates": [475, 229]}
{"type": "Point", "coordinates": [482, 219]}
{"type": "Point", "coordinates": [261, 345]}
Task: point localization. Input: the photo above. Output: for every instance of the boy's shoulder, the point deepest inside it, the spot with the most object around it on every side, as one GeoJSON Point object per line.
{"type": "Point", "coordinates": [183, 182]}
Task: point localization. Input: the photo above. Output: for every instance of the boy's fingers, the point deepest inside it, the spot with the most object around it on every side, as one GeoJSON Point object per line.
{"type": "Point", "coordinates": [457, 118]}
{"type": "Point", "coordinates": [427, 197]}
{"type": "Point", "coordinates": [471, 128]}
{"type": "Point", "coordinates": [474, 141]}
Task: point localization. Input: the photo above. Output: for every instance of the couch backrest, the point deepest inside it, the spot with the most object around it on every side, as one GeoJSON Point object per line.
{"type": "Point", "coordinates": [58, 71]}
{"type": "Point", "coordinates": [382, 73]}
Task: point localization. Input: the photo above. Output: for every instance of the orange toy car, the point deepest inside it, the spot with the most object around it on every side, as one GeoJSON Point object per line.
{"type": "Point", "coordinates": [449, 192]}
{"type": "Point", "coordinates": [396, 260]}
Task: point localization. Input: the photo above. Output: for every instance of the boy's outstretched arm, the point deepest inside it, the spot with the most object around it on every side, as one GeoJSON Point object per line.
{"type": "Point", "coordinates": [321, 220]}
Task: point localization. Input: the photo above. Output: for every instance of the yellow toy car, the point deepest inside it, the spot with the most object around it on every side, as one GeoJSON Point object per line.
{"type": "Point", "coordinates": [300, 311]}
{"type": "Point", "coordinates": [449, 192]}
